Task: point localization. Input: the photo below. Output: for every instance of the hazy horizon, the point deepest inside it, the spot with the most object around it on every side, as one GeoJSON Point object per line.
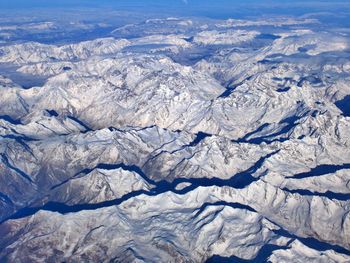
{"type": "Point", "coordinates": [207, 8]}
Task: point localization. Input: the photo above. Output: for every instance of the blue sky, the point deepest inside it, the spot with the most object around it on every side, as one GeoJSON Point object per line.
{"type": "Point", "coordinates": [213, 8]}
{"type": "Point", "coordinates": [146, 3]}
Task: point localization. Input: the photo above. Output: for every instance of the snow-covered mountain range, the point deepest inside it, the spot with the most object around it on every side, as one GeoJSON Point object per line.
{"type": "Point", "coordinates": [177, 140]}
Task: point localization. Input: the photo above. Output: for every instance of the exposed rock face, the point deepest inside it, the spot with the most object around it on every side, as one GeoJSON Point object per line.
{"type": "Point", "coordinates": [204, 143]}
